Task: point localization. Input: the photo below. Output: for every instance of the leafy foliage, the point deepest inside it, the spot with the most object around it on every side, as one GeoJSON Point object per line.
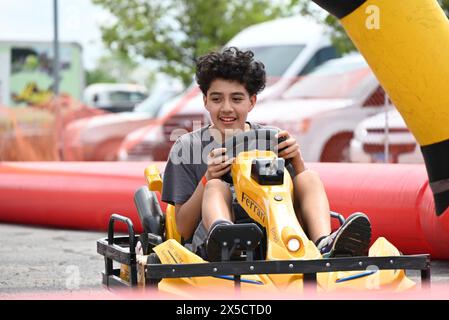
{"type": "Point", "coordinates": [177, 32]}
{"type": "Point", "coordinates": [112, 68]}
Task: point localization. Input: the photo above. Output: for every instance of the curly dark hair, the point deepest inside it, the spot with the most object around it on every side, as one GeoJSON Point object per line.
{"type": "Point", "coordinates": [231, 64]}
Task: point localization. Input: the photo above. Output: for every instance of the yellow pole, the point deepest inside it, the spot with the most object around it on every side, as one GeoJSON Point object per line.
{"type": "Point", "coordinates": [406, 43]}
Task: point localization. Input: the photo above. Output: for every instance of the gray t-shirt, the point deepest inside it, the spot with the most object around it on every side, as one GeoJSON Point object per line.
{"type": "Point", "coordinates": [186, 164]}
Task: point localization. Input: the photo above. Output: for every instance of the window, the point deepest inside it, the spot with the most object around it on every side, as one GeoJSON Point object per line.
{"type": "Point", "coordinates": [156, 100]}
{"type": "Point", "coordinates": [319, 58]}
{"type": "Point", "coordinates": [126, 96]}
{"type": "Point", "coordinates": [278, 58]}
{"type": "Point", "coordinates": [347, 77]}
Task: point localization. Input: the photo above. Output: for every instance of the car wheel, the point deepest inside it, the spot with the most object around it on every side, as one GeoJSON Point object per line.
{"type": "Point", "coordinates": [337, 148]}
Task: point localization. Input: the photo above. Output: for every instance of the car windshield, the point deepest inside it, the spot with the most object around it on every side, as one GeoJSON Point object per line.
{"type": "Point", "coordinates": [126, 96]}
{"type": "Point", "coordinates": [154, 102]}
{"type": "Point", "coordinates": [336, 79]}
{"type": "Point", "coordinates": [276, 59]}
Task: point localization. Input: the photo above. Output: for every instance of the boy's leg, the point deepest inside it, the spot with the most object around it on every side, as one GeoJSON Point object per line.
{"type": "Point", "coordinates": [215, 210]}
{"type": "Point", "coordinates": [216, 203]}
{"type": "Point", "coordinates": [352, 238]}
{"type": "Point", "coordinates": [312, 205]}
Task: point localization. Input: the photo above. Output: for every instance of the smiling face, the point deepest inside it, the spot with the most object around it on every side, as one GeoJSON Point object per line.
{"type": "Point", "coordinates": [228, 103]}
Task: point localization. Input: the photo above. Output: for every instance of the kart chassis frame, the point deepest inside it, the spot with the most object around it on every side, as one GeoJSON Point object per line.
{"type": "Point", "coordinates": [121, 249]}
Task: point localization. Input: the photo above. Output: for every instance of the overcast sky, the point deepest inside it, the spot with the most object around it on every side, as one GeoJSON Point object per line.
{"type": "Point", "coordinates": [79, 21]}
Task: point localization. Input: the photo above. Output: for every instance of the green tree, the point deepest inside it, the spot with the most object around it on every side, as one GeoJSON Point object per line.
{"type": "Point", "coordinates": [112, 68]}
{"type": "Point", "coordinates": [177, 32]}
{"type": "Point", "coordinates": [98, 75]}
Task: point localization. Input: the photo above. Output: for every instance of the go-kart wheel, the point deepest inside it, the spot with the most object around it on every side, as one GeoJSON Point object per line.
{"type": "Point", "coordinates": [259, 139]}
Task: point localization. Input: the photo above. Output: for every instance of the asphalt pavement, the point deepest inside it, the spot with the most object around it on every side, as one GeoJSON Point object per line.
{"type": "Point", "coordinates": [44, 260]}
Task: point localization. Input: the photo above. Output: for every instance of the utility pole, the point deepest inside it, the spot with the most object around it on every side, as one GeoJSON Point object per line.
{"type": "Point", "coordinates": [386, 131]}
{"type": "Point", "coordinates": [55, 49]}
{"type": "Point", "coordinates": [56, 64]}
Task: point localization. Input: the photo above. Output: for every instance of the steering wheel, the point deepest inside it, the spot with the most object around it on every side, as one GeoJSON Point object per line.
{"type": "Point", "coordinates": [258, 139]}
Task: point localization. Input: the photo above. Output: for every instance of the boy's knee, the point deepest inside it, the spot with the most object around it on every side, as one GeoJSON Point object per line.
{"type": "Point", "coordinates": [217, 187]}
{"type": "Point", "coordinates": [307, 177]}
{"type": "Point", "coordinates": [307, 174]}
{"type": "Point", "coordinates": [216, 184]}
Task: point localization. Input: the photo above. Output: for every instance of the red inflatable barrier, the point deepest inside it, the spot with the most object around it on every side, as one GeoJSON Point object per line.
{"type": "Point", "coordinates": [397, 199]}
{"type": "Point", "coordinates": [83, 195]}
{"type": "Point", "coordinates": [79, 195]}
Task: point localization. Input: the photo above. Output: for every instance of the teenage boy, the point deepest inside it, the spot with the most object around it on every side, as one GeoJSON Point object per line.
{"type": "Point", "coordinates": [230, 81]}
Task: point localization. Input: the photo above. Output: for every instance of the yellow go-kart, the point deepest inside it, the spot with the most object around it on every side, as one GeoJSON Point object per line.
{"type": "Point", "coordinates": [269, 252]}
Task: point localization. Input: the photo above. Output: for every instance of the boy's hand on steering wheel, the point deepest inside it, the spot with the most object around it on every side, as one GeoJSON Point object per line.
{"type": "Point", "coordinates": [289, 149]}
{"type": "Point", "coordinates": [218, 163]}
